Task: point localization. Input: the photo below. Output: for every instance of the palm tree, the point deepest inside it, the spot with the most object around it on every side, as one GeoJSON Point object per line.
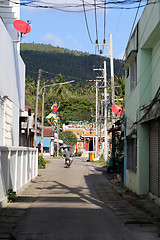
{"type": "Point", "coordinates": [80, 89]}
{"type": "Point", "coordinates": [62, 92]}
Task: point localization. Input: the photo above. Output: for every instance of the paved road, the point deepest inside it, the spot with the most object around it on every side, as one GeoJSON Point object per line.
{"type": "Point", "coordinates": [65, 206]}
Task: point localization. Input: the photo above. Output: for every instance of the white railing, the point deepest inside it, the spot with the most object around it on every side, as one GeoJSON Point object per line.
{"type": "Point", "coordinates": [18, 166]}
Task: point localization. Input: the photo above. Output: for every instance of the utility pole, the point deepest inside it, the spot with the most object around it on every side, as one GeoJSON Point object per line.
{"type": "Point", "coordinates": [57, 134]}
{"type": "Point", "coordinates": [42, 131]}
{"type": "Point", "coordinates": [96, 119]}
{"type": "Point", "coordinates": [93, 136]}
{"type": "Point", "coordinates": [43, 92]}
{"type": "Point", "coordinates": [92, 128]}
{"type": "Point", "coordinates": [105, 90]}
{"type": "Point", "coordinates": [105, 113]}
{"type": "Point", "coordinates": [112, 76]}
{"type": "Point", "coordinates": [36, 112]}
{"type": "Point", "coordinates": [98, 79]}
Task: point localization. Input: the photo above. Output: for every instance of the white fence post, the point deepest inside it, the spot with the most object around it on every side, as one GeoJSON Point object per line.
{"type": "Point", "coordinates": [36, 162]}
{"type": "Point", "coordinates": [21, 166]}
{"type": "Point", "coordinates": [8, 175]}
{"type": "Point", "coordinates": [21, 172]}
{"type": "Point", "coordinates": [15, 173]}
{"type": "Point", "coordinates": [25, 167]}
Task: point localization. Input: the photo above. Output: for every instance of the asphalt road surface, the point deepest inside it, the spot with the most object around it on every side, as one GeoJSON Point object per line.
{"type": "Point", "coordinates": [66, 207]}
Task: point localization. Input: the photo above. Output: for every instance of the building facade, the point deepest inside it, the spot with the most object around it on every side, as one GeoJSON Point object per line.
{"type": "Point", "coordinates": [18, 164]}
{"type": "Point", "coordinates": [142, 110]}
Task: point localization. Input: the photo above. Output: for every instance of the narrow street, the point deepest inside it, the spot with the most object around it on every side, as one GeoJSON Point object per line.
{"type": "Point", "coordinates": [62, 204]}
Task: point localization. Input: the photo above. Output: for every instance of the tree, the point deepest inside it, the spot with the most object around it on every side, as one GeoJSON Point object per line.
{"type": "Point", "coordinates": [120, 90]}
{"type": "Point", "coordinates": [30, 93]}
{"type": "Point", "coordinates": [68, 137]}
{"type": "Point", "coordinates": [62, 91]}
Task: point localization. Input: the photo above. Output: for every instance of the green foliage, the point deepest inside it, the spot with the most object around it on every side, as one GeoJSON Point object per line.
{"type": "Point", "coordinates": [77, 154]}
{"type": "Point", "coordinates": [101, 162]}
{"type": "Point", "coordinates": [74, 101]}
{"type": "Point", "coordinates": [120, 90]}
{"type": "Point", "coordinates": [68, 137]}
{"type": "Point", "coordinates": [71, 64]}
{"type": "Point", "coordinates": [30, 93]}
{"type": "Point", "coordinates": [11, 195]}
{"type": "Point", "coordinates": [41, 162]}
{"type": "Point", "coordinates": [76, 109]}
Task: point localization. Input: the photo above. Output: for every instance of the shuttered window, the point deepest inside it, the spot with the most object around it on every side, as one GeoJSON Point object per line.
{"type": "Point", "coordinates": [154, 158]}
{"type": "Point", "coordinates": [133, 75]}
{"type": "Point", "coordinates": [132, 154]}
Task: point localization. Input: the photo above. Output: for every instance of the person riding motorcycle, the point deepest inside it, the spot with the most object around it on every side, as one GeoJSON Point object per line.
{"type": "Point", "coordinates": [67, 155]}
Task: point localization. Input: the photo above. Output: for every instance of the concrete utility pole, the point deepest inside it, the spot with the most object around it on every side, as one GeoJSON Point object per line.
{"type": "Point", "coordinates": [43, 92]}
{"type": "Point", "coordinates": [57, 135]}
{"type": "Point", "coordinates": [36, 111]}
{"type": "Point", "coordinates": [112, 75]}
{"type": "Point", "coordinates": [105, 89]}
{"type": "Point", "coordinates": [98, 79]}
{"type": "Point", "coordinates": [92, 129]}
{"type": "Point", "coordinates": [96, 119]}
{"type": "Point", "coordinates": [105, 112]}
{"type": "Point", "coordinates": [42, 131]}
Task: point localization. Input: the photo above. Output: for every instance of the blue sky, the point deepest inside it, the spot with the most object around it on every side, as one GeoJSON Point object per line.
{"type": "Point", "coordinates": [68, 30]}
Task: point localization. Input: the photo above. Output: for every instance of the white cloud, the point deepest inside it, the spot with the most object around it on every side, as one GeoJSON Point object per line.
{"type": "Point", "coordinates": [68, 42]}
{"type": "Point", "coordinates": [73, 44]}
{"type": "Point", "coordinates": [53, 39]}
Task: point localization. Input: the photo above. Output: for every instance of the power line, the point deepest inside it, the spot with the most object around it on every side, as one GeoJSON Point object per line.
{"type": "Point", "coordinates": [135, 19]}
{"type": "Point", "coordinates": [155, 99]}
{"type": "Point", "coordinates": [105, 4]}
{"type": "Point", "coordinates": [96, 22]}
{"type": "Point", "coordinates": [133, 24]}
{"type": "Point", "coordinates": [86, 22]}
{"type": "Point", "coordinates": [125, 4]}
{"type": "Point", "coordinates": [151, 56]}
{"type": "Point", "coordinates": [147, 82]}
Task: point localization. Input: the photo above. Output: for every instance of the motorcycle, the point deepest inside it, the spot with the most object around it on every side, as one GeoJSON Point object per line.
{"type": "Point", "coordinates": [68, 162]}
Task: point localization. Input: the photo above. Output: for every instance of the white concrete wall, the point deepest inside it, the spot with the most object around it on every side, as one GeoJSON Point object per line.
{"type": "Point", "coordinates": [12, 69]}
{"type": "Point", "coordinates": [9, 12]}
{"type": "Point", "coordinates": [17, 167]}
{"type": "Point", "coordinates": [12, 88]}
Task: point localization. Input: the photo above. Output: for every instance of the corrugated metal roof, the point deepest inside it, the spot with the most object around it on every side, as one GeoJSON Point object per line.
{"type": "Point", "coordinates": [48, 132]}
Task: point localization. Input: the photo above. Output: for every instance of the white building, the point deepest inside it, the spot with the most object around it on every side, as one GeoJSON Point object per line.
{"type": "Point", "coordinates": [15, 161]}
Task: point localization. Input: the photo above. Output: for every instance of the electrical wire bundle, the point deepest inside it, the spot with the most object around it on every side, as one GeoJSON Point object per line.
{"type": "Point", "coordinates": [79, 4]}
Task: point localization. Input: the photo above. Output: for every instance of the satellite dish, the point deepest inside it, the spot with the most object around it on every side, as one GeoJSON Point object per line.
{"type": "Point", "coordinates": [116, 109]}
{"type": "Point", "coordinates": [21, 26]}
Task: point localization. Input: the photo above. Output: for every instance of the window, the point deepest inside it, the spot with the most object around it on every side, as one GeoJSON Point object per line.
{"type": "Point", "coordinates": [127, 72]}
{"type": "Point", "coordinates": [133, 74]}
{"type": "Point", "coordinates": [132, 154]}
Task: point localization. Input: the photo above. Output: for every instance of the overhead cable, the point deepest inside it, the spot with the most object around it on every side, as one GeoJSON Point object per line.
{"type": "Point", "coordinates": [105, 5]}
{"type": "Point", "coordinates": [78, 8]}
{"type": "Point", "coordinates": [86, 22]}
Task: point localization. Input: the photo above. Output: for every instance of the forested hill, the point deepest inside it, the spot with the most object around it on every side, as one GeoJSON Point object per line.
{"type": "Point", "coordinates": [71, 64]}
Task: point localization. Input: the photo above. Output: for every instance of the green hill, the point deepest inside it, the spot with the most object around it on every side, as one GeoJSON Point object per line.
{"type": "Point", "coordinates": [71, 64]}
{"type": "Point", "coordinates": [75, 101]}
